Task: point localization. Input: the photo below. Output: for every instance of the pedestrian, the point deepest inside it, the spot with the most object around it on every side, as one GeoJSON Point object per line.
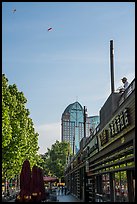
{"type": "Point", "coordinates": [58, 189]}
{"type": "Point", "coordinates": [62, 189]}
{"type": "Point", "coordinates": [65, 190]}
{"type": "Point", "coordinates": [8, 192]}
{"type": "Point", "coordinates": [125, 82]}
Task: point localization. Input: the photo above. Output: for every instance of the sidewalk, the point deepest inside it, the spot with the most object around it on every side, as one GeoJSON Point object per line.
{"type": "Point", "coordinates": [67, 198]}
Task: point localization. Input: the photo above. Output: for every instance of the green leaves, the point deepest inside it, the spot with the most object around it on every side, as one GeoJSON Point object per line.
{"type": "Point", "coordinates": [19, 140]}
{"type": "Point", "coordinates": [55, 159]}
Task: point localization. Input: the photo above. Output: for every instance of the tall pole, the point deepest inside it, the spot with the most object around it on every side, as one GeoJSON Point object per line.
{"type": "Point", "coordinates": [85, 121]}
{"type": "Point", "coordinates": [112, 66]}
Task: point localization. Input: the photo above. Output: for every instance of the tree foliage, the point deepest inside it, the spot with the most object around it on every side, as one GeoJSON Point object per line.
{"type": "Point", "coordinates": [55, 159]}
{"type": "Point", "coordinates": [19, 140]}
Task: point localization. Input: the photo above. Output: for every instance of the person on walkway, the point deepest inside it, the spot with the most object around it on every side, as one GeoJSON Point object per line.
{"type": "Point", "coordinates": [125, 82]}
{"type": "Point", "coordinates": [58, 189]}
{"type": "Point", "coordinates": [65, 190]}
{"type": "Point", "coordinates": [62, 189]}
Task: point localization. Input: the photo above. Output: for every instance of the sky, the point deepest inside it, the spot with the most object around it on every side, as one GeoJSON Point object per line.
{"type": "Point", "coordinates": [69, 63]}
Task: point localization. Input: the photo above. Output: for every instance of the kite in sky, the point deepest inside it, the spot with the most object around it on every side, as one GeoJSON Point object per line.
{"type": "Point", "coordinates": [49, 29]}
{"type": "Point", "coordinates": [14, 10]}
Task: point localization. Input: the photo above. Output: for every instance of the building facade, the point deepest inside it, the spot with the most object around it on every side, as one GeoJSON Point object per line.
{"type": "Point", "coordinates": [103, 170]}
{"type": "Point", "coordinates": [72, 123]}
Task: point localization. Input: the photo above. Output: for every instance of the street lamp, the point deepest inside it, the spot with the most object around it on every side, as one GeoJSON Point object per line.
{"type": "Point", "coordinates": [85, 116]}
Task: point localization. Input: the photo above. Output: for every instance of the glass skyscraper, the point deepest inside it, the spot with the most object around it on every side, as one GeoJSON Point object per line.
{"type": "Point", "coordinates": [72, 122]}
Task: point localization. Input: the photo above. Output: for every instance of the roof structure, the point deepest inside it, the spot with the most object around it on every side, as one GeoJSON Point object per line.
{"type": "Point", "coordinates": [70, 107]}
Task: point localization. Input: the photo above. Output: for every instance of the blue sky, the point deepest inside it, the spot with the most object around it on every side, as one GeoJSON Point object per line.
{"type": "Point", "coordinates": [70, 62]}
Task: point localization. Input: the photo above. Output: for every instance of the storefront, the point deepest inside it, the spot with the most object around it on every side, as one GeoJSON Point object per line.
{"type": "Point", "coordinates": [113, 167]}
{"type": "Point", "coordinates": [104, 169]}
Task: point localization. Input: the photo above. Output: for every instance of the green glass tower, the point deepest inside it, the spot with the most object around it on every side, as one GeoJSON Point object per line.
{"type": "Point", "coordinates": [72, 122]}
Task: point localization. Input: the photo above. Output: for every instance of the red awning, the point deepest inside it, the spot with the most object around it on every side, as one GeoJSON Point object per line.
{"type": "Point", "coordinates": [25, 180]}
{"type": "Point", "coordinates": [49, 179]}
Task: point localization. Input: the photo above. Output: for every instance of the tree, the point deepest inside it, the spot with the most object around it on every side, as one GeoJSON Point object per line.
{"type": "Point", "coordinates": [6, 126]}
{"type": "Point", "coordinates": [55, 159]}
{"type": "Point", "coordinates": [19, 139]}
